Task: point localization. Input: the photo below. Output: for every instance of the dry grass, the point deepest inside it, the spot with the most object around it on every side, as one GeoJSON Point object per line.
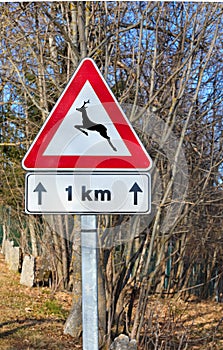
{"type": "Point", "coordinates": [174, 324]}
{"type": "Point", "coordinates": [33, 318]}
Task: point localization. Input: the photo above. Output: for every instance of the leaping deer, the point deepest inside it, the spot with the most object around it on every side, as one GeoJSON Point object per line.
{"type": "Point", "coordinates": [88, 124]}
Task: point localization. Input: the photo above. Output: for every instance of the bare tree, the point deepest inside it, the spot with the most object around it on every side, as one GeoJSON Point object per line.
{"type": "Point", "coordinates": [163, 62]}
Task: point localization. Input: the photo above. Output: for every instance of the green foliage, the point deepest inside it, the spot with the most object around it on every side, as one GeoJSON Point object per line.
{"type": "Point", "coordinates": [52, 307]}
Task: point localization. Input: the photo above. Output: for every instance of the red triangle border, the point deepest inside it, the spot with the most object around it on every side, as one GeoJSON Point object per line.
{"type": "Point", "coordinates": [35, 158]}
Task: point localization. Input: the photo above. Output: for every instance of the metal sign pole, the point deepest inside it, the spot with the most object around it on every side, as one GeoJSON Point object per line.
{"type": "Point", "coordinates": [89, 282]}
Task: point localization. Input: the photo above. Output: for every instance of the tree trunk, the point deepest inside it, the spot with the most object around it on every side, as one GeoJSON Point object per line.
{"type": "Point", "coordinates": [73, 325]}
{"type": "Point", "coordinates": [33, 237]}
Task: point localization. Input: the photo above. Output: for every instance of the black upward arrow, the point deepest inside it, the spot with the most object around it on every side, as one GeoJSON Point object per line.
{"type": "Point", "coordinates": [135, 189]}
{"type": "Point", "coordinates": [40, 188]}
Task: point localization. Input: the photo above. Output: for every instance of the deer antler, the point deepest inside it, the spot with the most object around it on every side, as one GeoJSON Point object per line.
{"type": "Point", "coordinates": [85, 102]}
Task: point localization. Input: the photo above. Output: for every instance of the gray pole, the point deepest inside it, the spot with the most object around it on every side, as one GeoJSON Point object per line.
{"type": "Point", "coordinates": [89, 282]}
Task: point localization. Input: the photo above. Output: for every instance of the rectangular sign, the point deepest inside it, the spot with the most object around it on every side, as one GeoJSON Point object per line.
{"type": "Point", "coordinates": [90, 193]}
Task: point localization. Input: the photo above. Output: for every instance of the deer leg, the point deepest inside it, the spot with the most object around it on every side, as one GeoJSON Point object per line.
{"type": "Point", "coordinates": [80, 128]}
{"type": "Point", "coordinates": [110, 143]}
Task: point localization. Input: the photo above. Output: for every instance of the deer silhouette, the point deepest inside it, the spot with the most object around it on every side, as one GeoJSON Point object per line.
{"type": "Point", "coordinates": [88, 124]}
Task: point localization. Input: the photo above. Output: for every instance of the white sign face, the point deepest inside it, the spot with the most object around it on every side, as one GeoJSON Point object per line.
{"type": "Point", "coordinates": [70, 141]}
{"type": "Point", "coordinates": [87, 130]}
{"type": "Point", "coordinates": [92, 193]}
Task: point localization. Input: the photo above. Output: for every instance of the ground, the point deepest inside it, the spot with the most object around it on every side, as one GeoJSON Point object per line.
{"type": "Point", "coordinates": [176, 324]}
{"type": "Point", "coordinates": [33, 318]}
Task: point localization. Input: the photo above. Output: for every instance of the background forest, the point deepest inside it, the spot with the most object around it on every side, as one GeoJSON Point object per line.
{"type": "Point", "coordinates": [163, 61]}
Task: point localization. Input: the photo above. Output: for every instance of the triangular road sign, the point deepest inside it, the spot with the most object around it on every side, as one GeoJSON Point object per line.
{"type": "Point", "coordinates": [87, 130]}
